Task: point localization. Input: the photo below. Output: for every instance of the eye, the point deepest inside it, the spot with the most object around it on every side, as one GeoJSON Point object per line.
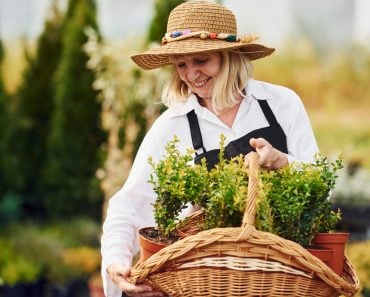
{"type": "Point", "coordinates": [180, 65]}
{"type": "Point", "coordinates": [201, 61]}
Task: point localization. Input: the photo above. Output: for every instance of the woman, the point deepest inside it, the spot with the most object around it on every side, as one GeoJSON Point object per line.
{"type": "Point", "coordinates": [210, 93]}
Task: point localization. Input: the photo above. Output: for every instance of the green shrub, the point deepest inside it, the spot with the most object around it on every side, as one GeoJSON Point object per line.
{"type": "Point", "coordinates": [295, 200]}
{"type": "Point", "coordinates": [226, 192]}
{"type": "Point", "coordinates": [16, 268]}
{"type": "Point", "coordinates": [59, 253]}
{"type": "Point", "coordinates": [176, 183]}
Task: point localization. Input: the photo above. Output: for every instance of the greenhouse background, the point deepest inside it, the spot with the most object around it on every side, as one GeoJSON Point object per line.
{"type": "Point", "coordinates": [74, 109]}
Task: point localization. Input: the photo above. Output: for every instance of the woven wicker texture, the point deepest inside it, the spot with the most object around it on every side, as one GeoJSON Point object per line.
{"type": "Point", "coordinates": [193, 224]}
{"type": "Point", "coordinates": [242, 262]}
{"type": "Point", "coordinates": [199, 16]}
{"type": "Point", "coordinates": [202, 16]}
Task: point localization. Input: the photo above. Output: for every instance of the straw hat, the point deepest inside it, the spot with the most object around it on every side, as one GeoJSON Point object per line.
{"type": "Point", "coordinates": [199, 27]}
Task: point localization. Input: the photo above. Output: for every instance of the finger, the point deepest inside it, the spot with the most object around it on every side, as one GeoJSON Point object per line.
{"type": "Point", "coordinates": [140, 290]}
{"type": "Point", "coordinates": [259, 143]}
{"type": "Point", "coordinates": [130, 288]}
{"type": "Point", "coordinates": [252, 142]}
{"type": "Point", "coordinates": [151, 294]}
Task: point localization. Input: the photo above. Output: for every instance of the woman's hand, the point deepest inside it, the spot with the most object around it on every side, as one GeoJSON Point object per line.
{"type": "Point", "coordinates": [270, 157]}
{"type": "Point", "coordinates": [119, 274]}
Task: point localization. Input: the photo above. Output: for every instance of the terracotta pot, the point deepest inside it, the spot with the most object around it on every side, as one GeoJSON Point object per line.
{"type": "Point", "coordinates": [148, 247]}
{"type": "Point", "coordinates": [336, 242]}
{"type": "Point", "coordinates": [324, 254]}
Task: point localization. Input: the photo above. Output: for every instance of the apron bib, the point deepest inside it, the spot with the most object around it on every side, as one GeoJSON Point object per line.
{"type": "Point", "coordinates": [274, 134]}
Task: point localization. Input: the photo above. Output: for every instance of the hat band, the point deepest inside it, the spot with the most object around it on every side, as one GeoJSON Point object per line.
{"type": "Point", "coordinates": [185, 34]}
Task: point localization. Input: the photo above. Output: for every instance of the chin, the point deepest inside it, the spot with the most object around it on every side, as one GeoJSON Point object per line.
{"type": "Point", "coordinates": [203, 95]}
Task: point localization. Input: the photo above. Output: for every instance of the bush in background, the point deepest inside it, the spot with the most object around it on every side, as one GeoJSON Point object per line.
{"type": "Point", "coordinates": [359, 255]}
{"type": "Point", "coordinates": [58, 253]}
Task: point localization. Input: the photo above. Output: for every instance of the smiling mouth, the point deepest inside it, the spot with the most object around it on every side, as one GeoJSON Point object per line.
{"type": "Point", "coordinates": [201, 83]}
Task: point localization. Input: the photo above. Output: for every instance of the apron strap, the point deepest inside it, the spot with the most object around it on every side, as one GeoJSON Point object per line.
{"type": "Point", "coordinates": [268, 113]}
{"type": "Point", "coordinates": [196, 135]}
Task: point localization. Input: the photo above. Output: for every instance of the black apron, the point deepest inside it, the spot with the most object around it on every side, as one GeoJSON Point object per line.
{"type": "Point", "coordinates": [274, 134]}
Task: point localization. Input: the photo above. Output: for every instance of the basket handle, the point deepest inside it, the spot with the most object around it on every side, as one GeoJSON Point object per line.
{"type": "Point", "coordinates": [252, 159]}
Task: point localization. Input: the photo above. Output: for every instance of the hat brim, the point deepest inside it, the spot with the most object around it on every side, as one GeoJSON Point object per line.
{"type": "Point", "coordinates": [159, 56]}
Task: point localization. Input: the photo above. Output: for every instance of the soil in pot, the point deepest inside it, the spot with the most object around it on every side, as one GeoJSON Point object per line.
{"type": "Point", "coordinates": [151, 242]}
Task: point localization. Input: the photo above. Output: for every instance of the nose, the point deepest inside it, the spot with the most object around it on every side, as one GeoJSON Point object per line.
{"type": "Point", "coordinates": [192, 73]}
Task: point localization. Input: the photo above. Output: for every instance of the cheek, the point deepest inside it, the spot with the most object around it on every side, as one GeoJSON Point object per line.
{"type": "Point", "coordinates": [212, 70]}
{"type": "Point", "coordinates": [216, 69]}
{"type": "Point", "coordinates": [181, 74]}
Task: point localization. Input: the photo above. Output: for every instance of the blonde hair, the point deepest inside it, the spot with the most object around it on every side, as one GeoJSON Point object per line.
{"type": "Point", "coordinates": [236, 70]}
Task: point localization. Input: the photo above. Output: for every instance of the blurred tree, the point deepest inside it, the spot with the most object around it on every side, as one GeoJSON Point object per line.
{"type": "Point", "coordinates": [76, 136]}
{"type": "Point", "coordinates": [2, 87]}
{"type": "Point", "coordinates": [156, 30]}
{"type": "Point", "coordinates": [10, 209]}
{"type": "Point", "coordinates": [130, 98]}
{"type": "Point", "coordinates": [2, 109]}
{"type": "Point", "coordinates": [31, 118]}
{"type": "Point", "coordinates": [3, 123]}
{"type": "Point", "coordinates": [158, 25]}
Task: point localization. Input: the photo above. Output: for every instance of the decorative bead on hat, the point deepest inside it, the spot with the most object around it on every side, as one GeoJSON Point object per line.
{"type": "Point", "coordinates": [179, 35]}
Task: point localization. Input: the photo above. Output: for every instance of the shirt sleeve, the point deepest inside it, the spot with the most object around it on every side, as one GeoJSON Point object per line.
{"type": "Point", "coordinates": [301, 141]}
{"type": "Point", "coordinates": [128, 210]}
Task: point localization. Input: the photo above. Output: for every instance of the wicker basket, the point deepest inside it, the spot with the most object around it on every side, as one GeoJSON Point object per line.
{"type": "Point", "coordinates": [242, 262]}
{"type": "Point", "coordinates": [193, 224]}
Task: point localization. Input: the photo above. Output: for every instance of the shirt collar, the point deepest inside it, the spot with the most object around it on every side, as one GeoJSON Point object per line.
{"type": "Point", "coordinates": [258, 90]}
{"type": "Point", "coordinates": [184, 107]}
{"type": "Point", "coordinates": [255, 90]}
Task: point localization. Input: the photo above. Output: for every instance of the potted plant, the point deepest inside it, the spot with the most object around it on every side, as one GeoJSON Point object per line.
{"type": "Point", "coordinates": [177, 182]}
{"type": "Point", "coordinates": [295, 200]}
{"type": "Point", "coordinates": [295, 205]}
{"type": "Point", "coordinates": [226, 192]}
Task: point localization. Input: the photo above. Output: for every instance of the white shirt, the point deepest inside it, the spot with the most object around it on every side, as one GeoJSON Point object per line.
{"type": "Point", "coordinates": [131, 207]}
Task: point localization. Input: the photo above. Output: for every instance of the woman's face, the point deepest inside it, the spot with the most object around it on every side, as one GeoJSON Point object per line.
{"type": "Point", "coordinates": [198, 72]}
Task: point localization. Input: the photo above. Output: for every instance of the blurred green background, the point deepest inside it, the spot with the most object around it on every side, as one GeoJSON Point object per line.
{"type": "Point", "coordinates": [74, 109]}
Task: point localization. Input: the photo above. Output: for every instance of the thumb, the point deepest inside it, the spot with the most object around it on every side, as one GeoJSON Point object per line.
{"type": "Point", "coordinates": [258, 142]}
